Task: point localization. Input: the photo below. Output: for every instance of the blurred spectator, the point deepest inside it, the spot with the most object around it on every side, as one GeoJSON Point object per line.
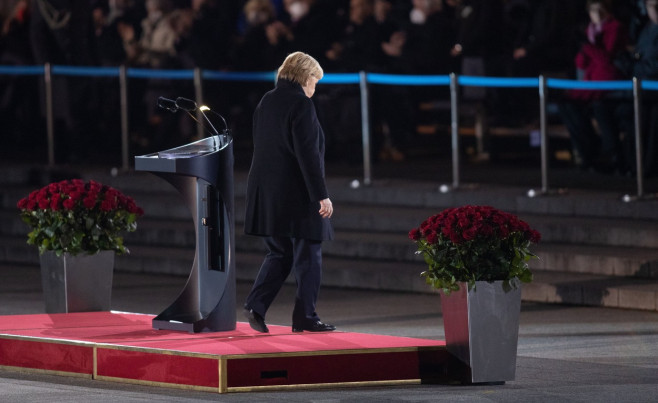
{"type": "Point", "coordinates": [17, 94]}
{"type": "Point", "coordinates": [154, 48]}
{"type": "Point", "coordinates": [642, 63]}
{"type": "Point", "coordinates": [430, 37]}
{"type": "Point", "coordinates": [478, 44]}
{"type": "Point", "coordinates": [536, 42]}
{"type": "Point", "coordinates": [606, 37]}
{"type": "Point", "coordinates": [60, 34]}
{"type": "Point", "coordinates": [314, 26]}
{"type": "Point", "coordinates": [537, 37]}
{"type": "Point", "coordinates": [265, 41]}
{"type": "Point", "coordinates": [356, 47]}
{"type": "Point", "coordinates": [392, 106]}
{"type": "Point", "coordinates": [107, 43]}
{"type": "Point", "coordinates": [206, 39]}
{"type": "Point", "coordinates": [479, 38]}
{"type": "Point", "coordinates": [353, 50]}
{"type": "Point", "coordinates": [262, 46]}
{"type": "Point", "coordinates": [15, 48]}
{"type": "Point", "coordinates": [633, 14]}
{"type": "Point", "coordinates": [107, 50]}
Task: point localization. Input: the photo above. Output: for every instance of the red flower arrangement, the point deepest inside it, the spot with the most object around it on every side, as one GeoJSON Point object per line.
{"type": "Point", "coordinates": [474, 243]}
{"type": "Point", "coordinates": [73, 216]}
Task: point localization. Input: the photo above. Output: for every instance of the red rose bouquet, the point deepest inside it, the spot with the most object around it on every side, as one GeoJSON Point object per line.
{"type": "Point", "coordinates": [474, 243]}
{"type": "Point", "coordinates": [73, 216]}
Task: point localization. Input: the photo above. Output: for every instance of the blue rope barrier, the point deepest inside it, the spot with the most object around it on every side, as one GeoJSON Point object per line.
{"type": "Point", "coordinates": [400, 79]}
{"type": "Point", "coordinates": [473, 81]}
{"type": "Point", "coordinates": [650, 85]}
{"type": "Point", "coordinates": [22, 70]}
{"type": "Point", "coordinates": [238, 76]}
{"type": "Point", "coordinates": [85, 71]}
{"type": "Point", "coordinates": [588, 85]}
{"type": "Point", "coordinates": [160, 74]}
{"type": "Point", "coordinates": [332, 78]}
{"type": "Point", "coordinates": [340, 78]}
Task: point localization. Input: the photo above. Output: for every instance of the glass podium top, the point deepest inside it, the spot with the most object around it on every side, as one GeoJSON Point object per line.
{"type": "Point", "coordinates": [197, 148]}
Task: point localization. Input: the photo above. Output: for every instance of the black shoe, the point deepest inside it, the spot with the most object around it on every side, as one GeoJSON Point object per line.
{"type": "Point", "coordinates": [256, 321]}
{"type": "Point", "coordinates": [314, 327]}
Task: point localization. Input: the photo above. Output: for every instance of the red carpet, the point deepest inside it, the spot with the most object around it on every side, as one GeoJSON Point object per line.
{"type": "Point", "coordinates": [124, 347]}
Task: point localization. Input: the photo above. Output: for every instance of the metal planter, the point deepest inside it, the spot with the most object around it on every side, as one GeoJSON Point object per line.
{"type": "Point", "coordinates": [80, 283]}
{"type": "Point", "coordinates": [482, 329]}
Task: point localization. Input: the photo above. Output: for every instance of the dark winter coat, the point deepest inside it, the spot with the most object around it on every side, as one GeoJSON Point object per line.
{"type": "Point", "coordinates": [286, 179]}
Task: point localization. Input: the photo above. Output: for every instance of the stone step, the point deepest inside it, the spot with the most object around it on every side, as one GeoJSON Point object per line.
{"type": "Point", "coordinates": [613, 253]}
{"type": "Point", "coordinates": [591, 290]}
{"type": "Point", "coordinates": [392, 192]}
{"type": "Point", "coordinates": [546, 287]}
{"type": "Point", "coordinates": [598, 260]}
{"type": "Point", "coordinates": [167, 210]}
{"type": "Point", "coordinates": [595, 248]}
{"type": "Point", "coordinates": [394, 248]}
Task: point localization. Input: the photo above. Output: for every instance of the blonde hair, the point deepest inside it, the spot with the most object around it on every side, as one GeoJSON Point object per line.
{"type": "Point", "coordinates": [299, 67]}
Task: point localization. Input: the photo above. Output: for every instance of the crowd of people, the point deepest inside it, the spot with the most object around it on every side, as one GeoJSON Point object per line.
{"type": "Point", "coordinates": [502, 38]}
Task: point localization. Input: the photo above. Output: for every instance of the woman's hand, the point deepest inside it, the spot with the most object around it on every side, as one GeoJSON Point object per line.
{"type": "Point", "coordinates": [326, 208]}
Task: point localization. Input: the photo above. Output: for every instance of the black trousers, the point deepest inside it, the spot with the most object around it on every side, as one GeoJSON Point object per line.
{"type": "Point", "coordinates": [304, 258]}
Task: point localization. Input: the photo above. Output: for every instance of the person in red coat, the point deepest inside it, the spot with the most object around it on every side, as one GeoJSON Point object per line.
{"type": "Point", "coordinates": [606, 38]}
{"type": "Point", "coordinates": [287, 199]}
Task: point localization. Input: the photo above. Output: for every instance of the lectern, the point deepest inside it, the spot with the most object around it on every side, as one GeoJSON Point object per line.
{"type": "Point", "coordinates": [202, 172]}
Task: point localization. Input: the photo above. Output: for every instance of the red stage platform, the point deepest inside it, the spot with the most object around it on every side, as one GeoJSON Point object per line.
{"type": "Point", "coordinates": [124, 347]}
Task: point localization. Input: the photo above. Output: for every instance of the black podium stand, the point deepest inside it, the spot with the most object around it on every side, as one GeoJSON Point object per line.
{"type": "Point", "coordinates": [202, 172]}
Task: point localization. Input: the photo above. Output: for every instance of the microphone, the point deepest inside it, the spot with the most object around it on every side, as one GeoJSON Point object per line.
{"type": "Point", "coordinates": [185, 104]}
{"type": "Point", "coordinates": [189, 106]}
{"type": "Point", "coordinates": [168, 104]}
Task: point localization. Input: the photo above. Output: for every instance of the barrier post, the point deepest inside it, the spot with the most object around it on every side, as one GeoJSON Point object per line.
{"type": "Point", "coordinates": [365, 128]}
{"type": "Point", "coordinates": [454, 128]}
{"type": "Point", "coordinates": [639, 149]}
{"type": "Point", "coordinates": [198, 96]}
{"type": "Point", "coordinates": [123, 96]}
{"type": "Point", "coordinates": [50, 124]}
{"type": "Point", "coordinates": [543, 89]}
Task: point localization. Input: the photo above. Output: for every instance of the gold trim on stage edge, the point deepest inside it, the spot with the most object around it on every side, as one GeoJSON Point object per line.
{"type": "Point", "coordinates": [95, 363]}
{"type": "Point", "coordinates": [303, 386]}
{"type": "Point", "coordinates": [39, 371]}
{"type": "Point", "coordinates": [223, 375]}
{"type": "Point", "coordinates": [159, 384]}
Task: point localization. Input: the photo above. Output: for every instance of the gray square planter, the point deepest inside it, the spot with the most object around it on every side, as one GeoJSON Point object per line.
{"type": "Point", "coordinates": [80, 283]}
{"type": "Point", "coordinates": [482, 329]}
